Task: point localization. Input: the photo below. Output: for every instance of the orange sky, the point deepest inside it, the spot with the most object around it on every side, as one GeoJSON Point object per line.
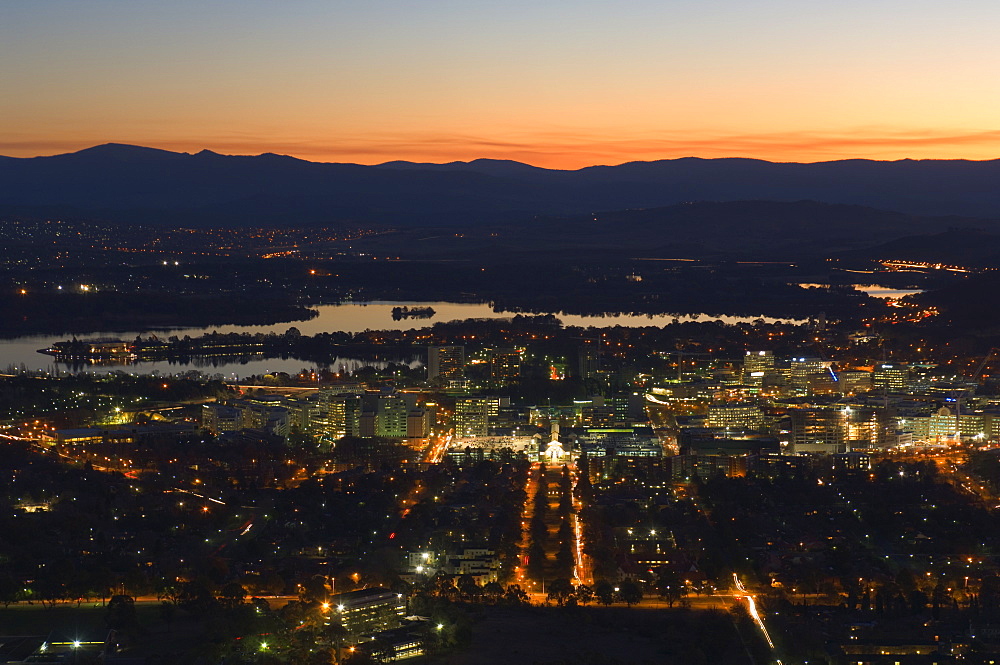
{"type": "Point", "coordinates": [555, 83]}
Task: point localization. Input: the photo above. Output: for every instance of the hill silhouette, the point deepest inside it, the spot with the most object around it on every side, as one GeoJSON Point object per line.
{"type": "Point", "coordinates": [759, 230]}
{"type": "Point", "coordinates": [122, 183]}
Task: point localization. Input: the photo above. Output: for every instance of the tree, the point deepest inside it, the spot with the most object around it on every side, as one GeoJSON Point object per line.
{"type": "Point", "coordinates": [493, 591]}
{"type": "Point", "coordinates": [536, 561]}
{"type": "Point", "coordinates": [9, 591]}
{"type": "Point", "coordinates": [605, 592]}
{"type": "Point", "coordinates": [468, 588]}
{"type": "Point", "coordinates": [630, 593]}
{"type": "Point", "coordinates": [560, 590]}
{"type": "Point", "coordinates": [120, 614]}
{"type": "Point", "coordinates": [669, 586]}
{"type": "Point", "coordinates": [584, 594]}
{"type": "Point", "coordinates": [232, 595]}
{"type": "Point", "coordinates": [515, 595]}
{"type": "Point", "coordinates": [314, 590]}
{"type": "Point", "coordinates": [167, 613]}
{"type": "Point", "coordinates": [444, 585]}
{"type": "Point", "coordinates": [382, 651]}
{"type": "Point", "coordinates": [337, 635]}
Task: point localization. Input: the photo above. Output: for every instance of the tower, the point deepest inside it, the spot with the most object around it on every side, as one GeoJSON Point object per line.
{"type": "Point", "coordinates": [445, 363]}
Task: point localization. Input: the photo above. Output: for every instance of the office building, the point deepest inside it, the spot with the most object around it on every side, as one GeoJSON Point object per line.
{"type": "Point", "coordinates": [735, 415]}
{"type": "Point", "coordinates": [368, 610]}
{"type": "Point", "coordinates": [589, 360]}
{"type": "Point", "coordinates": [337, 415]}
{"type": "Point", "coordinates": [505, 366]}
{"type": "Point", "coordinates": [418, 423]}
{"type": "Point", "coordinates": [445, 363]}
{"type": "Point", "coordinates": [820, 430]}
{"type": "Point", "coordinates": [892, 377]}
{"type": "Point", "coordinates": [472, 416]}
{"type": "Point", "coordinates": [800, 370]}
{"type": "Point", "coordinates": [757, 365]}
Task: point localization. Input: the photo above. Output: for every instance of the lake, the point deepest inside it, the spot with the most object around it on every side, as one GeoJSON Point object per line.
{"type": "Point", "coordinates": [874, 290]}
{"type": "Point", "coordinates": [349, 317]}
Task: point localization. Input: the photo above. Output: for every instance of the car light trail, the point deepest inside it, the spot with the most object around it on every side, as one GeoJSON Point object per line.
{"type": "Point", "coordinates": [752, 605]}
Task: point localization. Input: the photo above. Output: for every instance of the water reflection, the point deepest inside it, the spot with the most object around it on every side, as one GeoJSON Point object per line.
{"type": "Point", "coordinates": [22, 352]}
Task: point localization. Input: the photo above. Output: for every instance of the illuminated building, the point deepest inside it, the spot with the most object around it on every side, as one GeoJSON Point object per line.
{"type": "Point", "coordinates": [891, 377]}
{"type": "Point", "coordinates": [472, 415]}
{"type": "Point", "coordinates": [445, 363]}
{"type": "Point", "coordinates": [942, 424]}
{"type": "Point", "coordinates": [627, 407]}
{"type": "Point", "coordinates": [301, 412]}
{"type": "Point", "coordinates": [221, 418]}
{"type": "Point", "coordinates": [757, 365]}
{"type": "Point", "coordinates": [480, 563]}
{"type": "Point", "coordinates": [863, 429]}
{"type": "Point", "coordinates": [801, 368]}
{"type": "Point", "coordinates": [735, 415]}
{"type": "Point", "coordinates": [505, 365]}
{"type": "Point", "coordinates": [77, 437]}
{"type": "Point", "coordinates": [391, 416]}
{"type": "Point", "coordinates": [368, 610]}
{"type": "Point", "coordinates": [337, 415]}
{"type": "Point", "coordinates": [815, 431]}
{"type": "Point", "coordinates": [853, 382]}
{"type": "Point", "coordinates": [418, 423]}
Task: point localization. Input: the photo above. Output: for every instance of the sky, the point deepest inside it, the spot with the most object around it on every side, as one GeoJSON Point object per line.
{"type": "Point", "coordinates": [555, 83]}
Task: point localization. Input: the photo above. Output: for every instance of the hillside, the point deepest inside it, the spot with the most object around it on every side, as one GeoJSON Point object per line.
{"type": "Point", "coordinates": [147, 186]}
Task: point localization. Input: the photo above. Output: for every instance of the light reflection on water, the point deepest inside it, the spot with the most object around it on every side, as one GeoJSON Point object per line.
{"type": "Point", "coordinates": [348, 317]}
{"type": "Point", "coordinates": [874, 290]}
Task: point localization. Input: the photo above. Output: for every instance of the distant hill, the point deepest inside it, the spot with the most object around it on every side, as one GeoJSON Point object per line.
{"type": "Point", "coordinates": [147, 186]}
{"type": "Point", "coordinates": [957, 246]}
{"type": "Point", "coordinates": [761, 227]}
{"type": "Point", "coordinates": [770, 230]}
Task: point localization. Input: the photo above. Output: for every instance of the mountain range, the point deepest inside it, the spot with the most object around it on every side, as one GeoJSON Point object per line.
{"type": "Point", "coordinates": [131, 184]}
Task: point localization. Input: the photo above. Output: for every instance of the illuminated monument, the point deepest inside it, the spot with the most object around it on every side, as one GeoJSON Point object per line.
{"type": "Point", "coordinates": [554, 452]}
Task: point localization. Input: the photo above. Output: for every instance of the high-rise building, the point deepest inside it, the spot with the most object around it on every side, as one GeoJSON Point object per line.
{"type": "Point", "coordinates": [301, 412]}
{"type": "Point", "coordinates": [819, 430]}
{"type": "Point", "coordinates": [853, 382]}
{"type": "Point", "coordinates": [589, 362]}
{"type": "Point", "coordinates": [391, 416]}
{"type": "Point", "coordinates": [505, 365]}
{"type": "Point", "coordinates": [473, 415]}
{"type": "Point", "coordinates": [865, 428]}
{"type": "Point", "coordinates": [445, 363]}
{"type": "Point", "coordinates": [801, 368]}
{"type": "Point", "coordinates": [891, 377]}
{"type": "Point", "coordinates": [418, 423]}
{"type": "Point", "coordinates": [756, 365]}
{"type": "Point", "coordinates": [337, 415]}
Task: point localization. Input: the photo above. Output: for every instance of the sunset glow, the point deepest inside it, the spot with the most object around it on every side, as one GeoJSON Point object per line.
{"type": "Point", "coordinates": [558, 84]}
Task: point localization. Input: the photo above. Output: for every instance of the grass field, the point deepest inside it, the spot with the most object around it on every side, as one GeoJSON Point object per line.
{"type": "Point", "coordinates": [155, 636]}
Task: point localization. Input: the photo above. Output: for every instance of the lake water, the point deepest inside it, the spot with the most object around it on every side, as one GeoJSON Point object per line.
{"type": "Point", "coordinates": [874, 290]}
{"type": "Point", "coordinates": [348, 317]}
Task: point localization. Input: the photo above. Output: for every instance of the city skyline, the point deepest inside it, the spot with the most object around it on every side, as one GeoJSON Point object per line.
{"type": "Point", "coordinates": [560, 85]}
